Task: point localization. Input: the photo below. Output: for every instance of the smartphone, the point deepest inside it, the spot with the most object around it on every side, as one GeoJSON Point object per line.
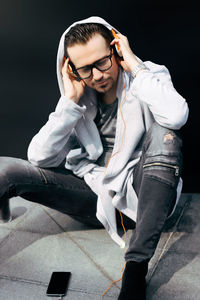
{"type": "Point", "coordinates": [58, 284]}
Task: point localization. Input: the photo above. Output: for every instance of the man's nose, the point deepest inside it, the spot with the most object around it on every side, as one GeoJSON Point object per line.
{"type": "Point", "coordinates": [97, 75]}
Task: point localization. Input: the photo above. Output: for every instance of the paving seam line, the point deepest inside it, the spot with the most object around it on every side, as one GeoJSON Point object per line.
{"type": "Point", "coordinates": [33, 282]}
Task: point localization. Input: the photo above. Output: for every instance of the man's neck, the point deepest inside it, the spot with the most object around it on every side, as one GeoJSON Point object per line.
{"type": "Point", "coordinates": [107, 99]}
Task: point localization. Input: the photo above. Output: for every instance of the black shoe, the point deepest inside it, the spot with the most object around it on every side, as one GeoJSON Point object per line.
{"type": "Point", "coordinates": [5, 215]}
{"type": "Point", "coordinates": [133, 281]}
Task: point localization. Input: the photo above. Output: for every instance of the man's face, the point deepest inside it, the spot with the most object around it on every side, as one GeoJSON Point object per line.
{"type": "Point", "coordinates": [96, 48]}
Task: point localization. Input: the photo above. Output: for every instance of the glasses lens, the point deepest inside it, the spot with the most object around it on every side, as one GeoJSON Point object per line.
{"type": "Point", "coordinates": [84, 72]}
{"type": "Point", "coordinates": [104, 64]}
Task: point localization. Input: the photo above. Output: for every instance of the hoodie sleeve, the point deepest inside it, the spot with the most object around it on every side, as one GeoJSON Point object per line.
{"type": "Point", "coordinates": [48, 146]}
{"type": "Point", "coordinates": [155, 88]}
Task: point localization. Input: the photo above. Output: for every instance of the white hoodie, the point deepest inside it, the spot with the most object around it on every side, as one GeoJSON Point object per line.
{"type": "Point", "coordinates": [150, 97]}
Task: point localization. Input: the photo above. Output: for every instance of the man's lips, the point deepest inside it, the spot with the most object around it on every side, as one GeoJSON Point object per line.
{"type": "Point", "coordinates": [101, 83]}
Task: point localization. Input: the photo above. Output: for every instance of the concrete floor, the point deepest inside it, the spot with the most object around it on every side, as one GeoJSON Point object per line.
{"type": "Point", "coordinates": [40, 240]}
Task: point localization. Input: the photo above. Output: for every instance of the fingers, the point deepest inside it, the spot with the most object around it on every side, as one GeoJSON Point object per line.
{"type": "Point", "coordinates": [115, 41]}
{"type": "Point", "coordinates": [127, 58]}
{"type": "Point", "coordinates": [64, 67]}
{"type": "Point", "coordinates": [120, 40]}
{"type": "Point", "coordinates": [121, 43]}
{"type": "Point", "coordinates": [67, 70]}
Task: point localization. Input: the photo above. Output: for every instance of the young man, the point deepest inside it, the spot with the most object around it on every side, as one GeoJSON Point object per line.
{"type": "Point", "coordinates": [111, 145]}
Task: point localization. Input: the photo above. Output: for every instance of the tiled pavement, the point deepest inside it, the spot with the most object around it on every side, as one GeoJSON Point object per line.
{"type": "Point", "coordinates": [40, 240]}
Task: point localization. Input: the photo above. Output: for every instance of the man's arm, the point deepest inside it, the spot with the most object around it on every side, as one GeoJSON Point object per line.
{"type": "Point", "coordinates": [155, 88]}
{"type": "Point", "coordinates": [48, 147]}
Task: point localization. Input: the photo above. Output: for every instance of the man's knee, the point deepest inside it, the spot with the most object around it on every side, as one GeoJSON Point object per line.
{"type": "Point", "coordinates": [12, 170]}
{"type": "Point", "coordinates": [9, 165]}
{"type": "Point", "coordinates": [162, 141]}
{"type": "Point", "coordinates": [162, 154]}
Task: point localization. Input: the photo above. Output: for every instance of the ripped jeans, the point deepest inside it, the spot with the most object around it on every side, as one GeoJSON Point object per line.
{"type": "Point", "coordinates": [155, 181]}
{"type": "Point", "coordinates": [156, 178]}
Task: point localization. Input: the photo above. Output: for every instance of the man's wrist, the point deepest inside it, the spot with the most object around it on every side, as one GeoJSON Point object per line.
{"type": "Point", "coordinates": [137, 68]}
{"type": "Point", "coordinates": [71, 98]}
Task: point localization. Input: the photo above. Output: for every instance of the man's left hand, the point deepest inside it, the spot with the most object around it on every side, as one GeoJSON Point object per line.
{"type": "Point", "coordinates": [128, 60]}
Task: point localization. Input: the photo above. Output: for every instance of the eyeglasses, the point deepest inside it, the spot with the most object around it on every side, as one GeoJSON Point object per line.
{"type": "Point", "coordinates": [102, 65]}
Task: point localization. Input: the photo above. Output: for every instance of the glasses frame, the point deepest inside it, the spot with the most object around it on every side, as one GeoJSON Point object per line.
{"type": "Point", "coordinates": [94, 65]}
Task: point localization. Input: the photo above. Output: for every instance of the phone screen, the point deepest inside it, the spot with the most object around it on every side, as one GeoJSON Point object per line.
{"type": "Point", "coordinates": [58, 284]}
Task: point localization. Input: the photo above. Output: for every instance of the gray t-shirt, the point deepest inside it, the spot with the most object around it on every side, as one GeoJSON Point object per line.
{"type": "Point", "coordinates": [106, 123]}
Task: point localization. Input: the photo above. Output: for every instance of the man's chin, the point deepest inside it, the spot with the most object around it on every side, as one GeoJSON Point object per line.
{"type": "Point", "coordinates": [102, 88]}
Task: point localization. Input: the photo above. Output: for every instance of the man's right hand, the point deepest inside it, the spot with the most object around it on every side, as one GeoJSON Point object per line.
{"type": "Point", "coordinates": [73, 89]}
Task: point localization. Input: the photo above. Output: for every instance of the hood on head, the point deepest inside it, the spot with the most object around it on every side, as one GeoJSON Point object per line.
{"type": "Point", "coordinates": [60, 54]}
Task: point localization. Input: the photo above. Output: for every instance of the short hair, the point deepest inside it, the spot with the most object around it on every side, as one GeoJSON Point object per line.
{"type": "Point", "coordinates": [82, 33]}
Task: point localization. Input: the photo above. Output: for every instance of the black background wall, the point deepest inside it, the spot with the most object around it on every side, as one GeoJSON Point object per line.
{"type": "Point", "coordinates": [161, 31]}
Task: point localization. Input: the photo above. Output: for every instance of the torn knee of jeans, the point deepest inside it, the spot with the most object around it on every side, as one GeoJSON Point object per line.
{"type": "Point", "coordinates": [168, 138]}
